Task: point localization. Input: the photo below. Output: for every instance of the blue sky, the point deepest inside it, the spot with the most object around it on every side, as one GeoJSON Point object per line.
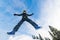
{"type": "Point", "coordinates": [46, 12]}
{"type": "Point", "coordinates": [9, 7]}
{"type": "Point", "coordinates": [8, 20]}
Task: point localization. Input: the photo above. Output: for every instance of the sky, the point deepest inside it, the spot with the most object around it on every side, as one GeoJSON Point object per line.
{"type": "Point", "coordinates": [46, 12]}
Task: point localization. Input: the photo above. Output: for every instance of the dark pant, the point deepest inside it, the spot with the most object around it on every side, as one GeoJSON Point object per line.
{"type": "Point", "coordinates": [28, 20]}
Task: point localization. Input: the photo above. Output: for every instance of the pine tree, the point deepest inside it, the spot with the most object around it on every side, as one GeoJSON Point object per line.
{"type": "Point", "coordinates": [37, 37]}
{"type": "Point", "coordinates": [55, 33]}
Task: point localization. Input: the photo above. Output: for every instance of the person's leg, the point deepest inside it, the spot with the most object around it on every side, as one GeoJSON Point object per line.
{"type": "Point", "coordinates": [15, 29]}
{"type": "Point", "coordinates": [33, 23]}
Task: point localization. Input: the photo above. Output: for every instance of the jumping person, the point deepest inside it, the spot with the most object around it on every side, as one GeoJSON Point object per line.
{"type": "Point", "coordinates": [24, 18]}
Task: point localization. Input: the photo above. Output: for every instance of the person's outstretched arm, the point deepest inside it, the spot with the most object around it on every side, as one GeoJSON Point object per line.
{"type": "Point", "coordinates": [17, 14]}
{"type": "Point", "coordinates": [30, 14]}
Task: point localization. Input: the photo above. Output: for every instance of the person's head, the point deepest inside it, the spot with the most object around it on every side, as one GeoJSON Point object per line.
{"type": "Point", "coordinates": [24, 11]}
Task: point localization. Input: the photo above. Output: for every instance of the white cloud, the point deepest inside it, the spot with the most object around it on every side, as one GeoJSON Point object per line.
{"type": "Point", "coordinates": [20, 37]}
{"type": "Point", "coordinates": [51, 13]}
{"type": "Point", "coordinates": [3, 34]}
{"type": "Point", "coordinates": [31, 29]}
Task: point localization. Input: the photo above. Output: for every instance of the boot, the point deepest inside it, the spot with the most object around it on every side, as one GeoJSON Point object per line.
{"type": "Point", "coordinates": [11, 33]}
{"type": "Point", "coordinates": [37, 27]}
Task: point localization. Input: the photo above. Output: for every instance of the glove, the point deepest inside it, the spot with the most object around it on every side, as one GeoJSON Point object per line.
{"type": "Point", "coordinates": [15, 14]}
